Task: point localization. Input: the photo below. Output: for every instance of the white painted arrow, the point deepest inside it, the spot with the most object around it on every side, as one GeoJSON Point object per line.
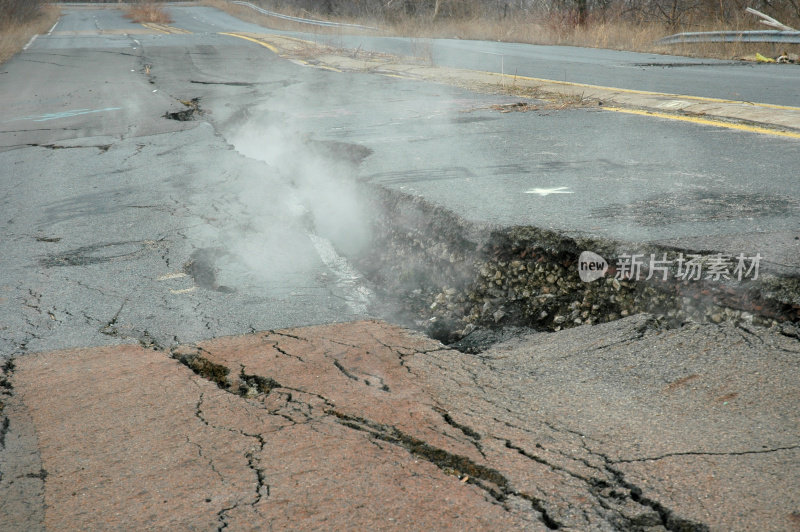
{"type": "Point", "coordinates": [548, 191]}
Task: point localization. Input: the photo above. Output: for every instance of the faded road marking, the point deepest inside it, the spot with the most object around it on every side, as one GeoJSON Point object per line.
{"type": "Point", "coordinates": [548, 191]}
{"type": "Point", "coordinates": [174, 275]}
{"type": "Point", "coordinates": [29, 42]}
{"type": "Point", "coordinates": [163, 28]}
{"type": "Point", "coordinates": [63, 114]}
{"type": "Point", "coordinates": [182, 291]}
{"type": "Point", "coordinates": [707, 122]}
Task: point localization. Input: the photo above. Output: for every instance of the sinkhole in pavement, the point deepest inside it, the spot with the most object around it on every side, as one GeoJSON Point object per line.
{"type": "Point", "coordinates": [470, 287]}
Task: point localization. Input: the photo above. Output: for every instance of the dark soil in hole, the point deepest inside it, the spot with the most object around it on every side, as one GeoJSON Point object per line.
{"type": "Point", "coordinates": [481, 339]}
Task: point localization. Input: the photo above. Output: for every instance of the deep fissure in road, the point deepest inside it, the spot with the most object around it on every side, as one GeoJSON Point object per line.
{"type": "Point", "coordinates": [470, 285]}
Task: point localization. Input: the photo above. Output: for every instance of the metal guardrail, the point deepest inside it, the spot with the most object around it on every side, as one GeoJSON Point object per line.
{"type": "Point", "coordinates": [304, 20]}
{"type": "Point", "coordinates": [772, 36]}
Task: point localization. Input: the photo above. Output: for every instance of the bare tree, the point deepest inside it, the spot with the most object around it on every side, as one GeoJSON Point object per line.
{"type": "Point", "coordinates": [582, 8]}
{"type": "Point", "coordinates": [18, 10]}
{"type": "Point", "coordinates": [671, 12]}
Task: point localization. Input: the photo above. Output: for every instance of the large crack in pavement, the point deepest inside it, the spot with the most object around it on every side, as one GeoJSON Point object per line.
{"type": "Point", "coordinates": [617, 501]}
{"type": "Point", "coordinates": [488, 479]}
{"type": "Point", "coordinates": [464, 468]}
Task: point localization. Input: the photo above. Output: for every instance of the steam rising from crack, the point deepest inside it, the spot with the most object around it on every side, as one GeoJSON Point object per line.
{"type": "Point", "coordinates": [287, 226]}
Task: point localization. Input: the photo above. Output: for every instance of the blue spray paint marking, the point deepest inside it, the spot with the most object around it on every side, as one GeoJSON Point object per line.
{"type": "Point", "coordinates": [64, 114]}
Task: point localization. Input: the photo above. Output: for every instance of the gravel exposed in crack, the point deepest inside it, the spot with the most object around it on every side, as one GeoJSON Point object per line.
{"type": "Point", "coordinates": [191, 112]}
{"type": "Point", "coordinates": [465, 284]}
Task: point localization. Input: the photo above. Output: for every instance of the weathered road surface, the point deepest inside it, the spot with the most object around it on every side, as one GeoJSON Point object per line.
{"type": "Point", "coordinates": [141, 254]}
{"type": "Point", "coordinates": [365, 425]}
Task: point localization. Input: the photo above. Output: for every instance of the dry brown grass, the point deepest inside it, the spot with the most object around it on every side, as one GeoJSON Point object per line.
{"type": "Point", "coordinates": [14, 35]}
{"type": "Point", "coordinates": [616, 34]}
{"type": "Point", "coordinates": [146, 11]}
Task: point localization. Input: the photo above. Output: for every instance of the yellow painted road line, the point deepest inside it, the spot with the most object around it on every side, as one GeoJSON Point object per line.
{"type": "Point", "coordinates": [272, 48]}
{"type": "Point", "coordinates": [174, 30]}
{"type": "Point", "coordinates": [262, 43]}
{"type": "Point", "coordinates": [183, 291]}
{"type": "Point", "coordinates": [324, 67]}
{"type": "Point", "coordinates": [153, 27]}
{"type": "Point", "coordinates": [163, 28]}
{"type": "Point", "coordinates": [581, 85]}
{"type": "Point", "coordinates": [646, 93]}
{"type": "Point", "coordinates": [295, 39]}
{"type": "Point", "coordinates": [706, 122]}
{"type": "Point", "coordinates": [667, 116]}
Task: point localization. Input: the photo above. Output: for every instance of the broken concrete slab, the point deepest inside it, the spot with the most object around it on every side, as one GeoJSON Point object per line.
{"type": "Point", "coordinates": [619, 426]}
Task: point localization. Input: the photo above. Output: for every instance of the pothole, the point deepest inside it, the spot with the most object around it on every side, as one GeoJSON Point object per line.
{"type": "Point", "coordinates": [201, 268]}
{"type": "Point", "coordinates": [192, 109]}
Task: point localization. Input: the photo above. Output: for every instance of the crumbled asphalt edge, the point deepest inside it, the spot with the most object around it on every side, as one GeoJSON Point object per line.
{"type": "Point", "coordinates": [16, 491]}
{"type": "Point", "coordinates": [6, 391]}
{"type": "Point", "coordinates": [609, 488]}
{"type": "Point", "coordinates": [454, 278]}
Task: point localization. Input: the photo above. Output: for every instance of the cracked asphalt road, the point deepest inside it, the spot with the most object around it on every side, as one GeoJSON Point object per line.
{"type": "Point", "coordinates": [142, 255]}
{"type": "Point", "coordinates": [366, 425]}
